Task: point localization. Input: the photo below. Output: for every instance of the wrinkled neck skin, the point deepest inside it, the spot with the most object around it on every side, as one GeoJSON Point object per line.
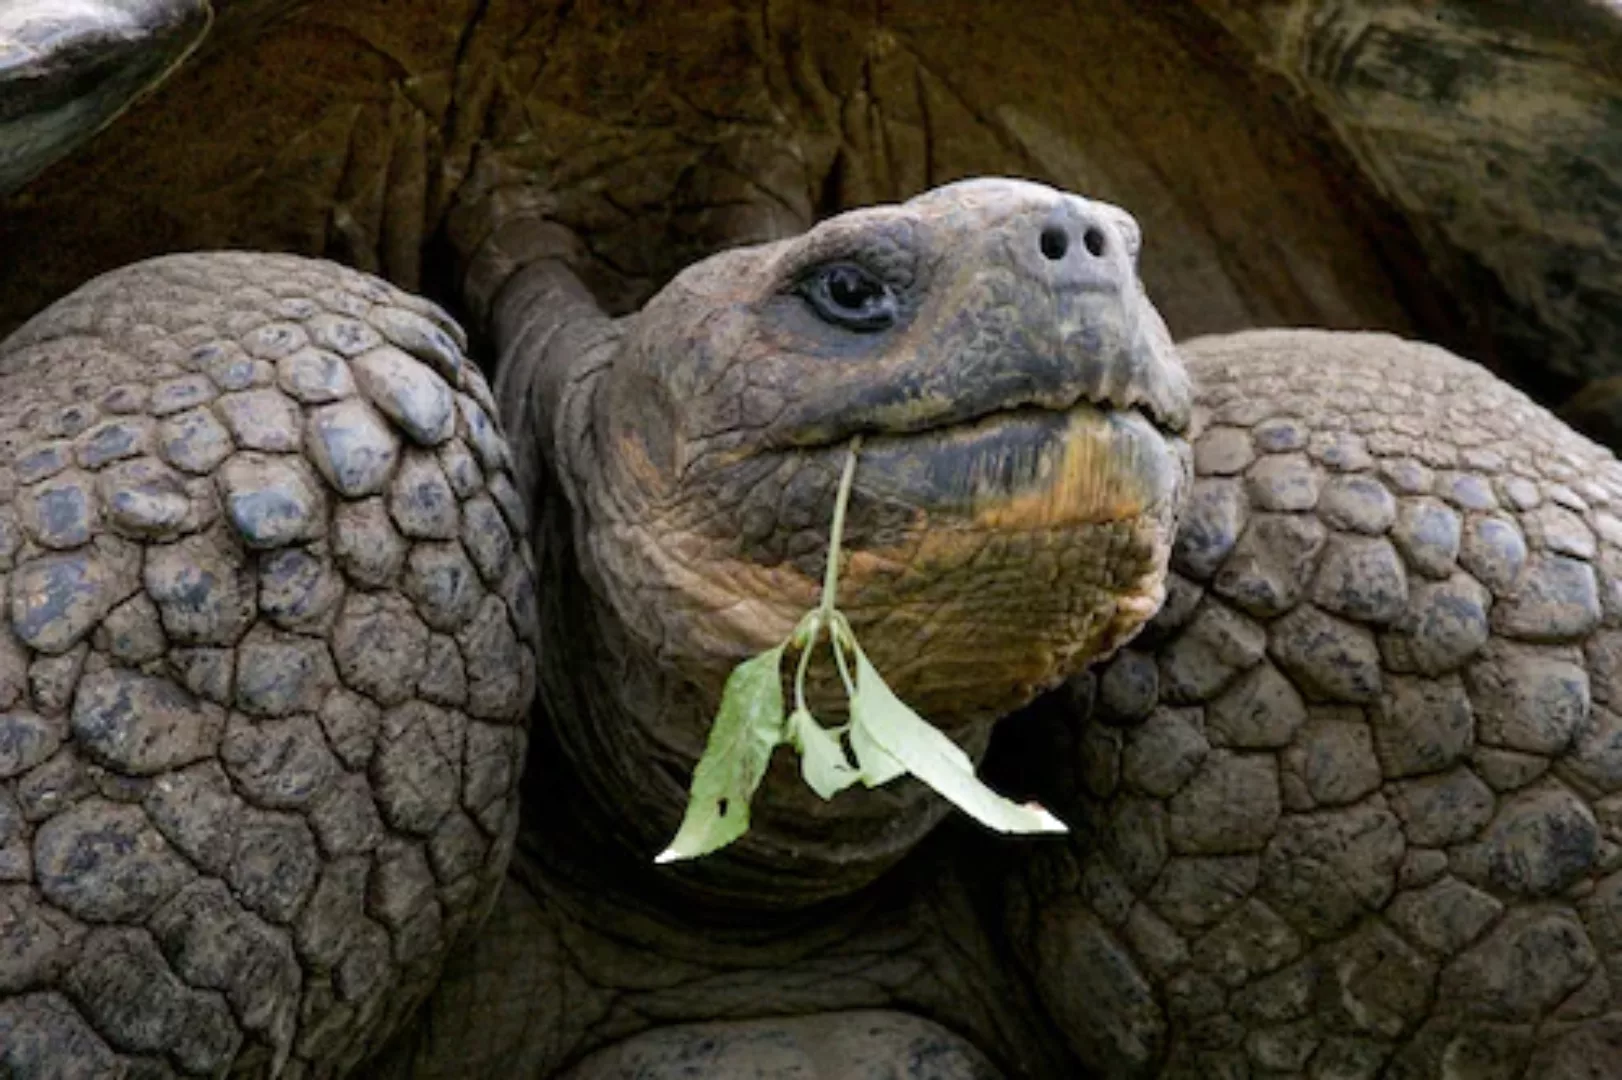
{"type": "Point", "coordinates": [565, 966]}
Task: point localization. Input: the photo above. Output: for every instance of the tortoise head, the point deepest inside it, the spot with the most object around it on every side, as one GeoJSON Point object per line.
{"type": "Point", "coordinates": [1022, 412]}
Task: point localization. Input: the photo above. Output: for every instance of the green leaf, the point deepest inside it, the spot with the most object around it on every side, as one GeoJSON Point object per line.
{"type": "Point", "coordinates": [884, 731]}
{"type": "Point", "coordinates": [748, 726]}
{"type": "Point", "coordinates": [822, 760]}
{"type": "Point", "coordinates": [877, 766]}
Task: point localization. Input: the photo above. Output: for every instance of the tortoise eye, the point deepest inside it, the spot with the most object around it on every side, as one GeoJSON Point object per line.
{"type": "Point", "coordinates": [847, 295]}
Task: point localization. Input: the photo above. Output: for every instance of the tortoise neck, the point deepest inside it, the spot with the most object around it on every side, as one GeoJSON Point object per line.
{"type": "Point", "coordinates": [551, 341]}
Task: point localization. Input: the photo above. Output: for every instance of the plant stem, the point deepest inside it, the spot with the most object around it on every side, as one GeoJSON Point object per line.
{"type": "Point", "coordinates": [805, 662]}
{"type": "Point", "coordinates": [836, 536]}
{"type": "Point", "coordinates": [821, 618]}
{"type": "Point", "coordinates": [838, 630]}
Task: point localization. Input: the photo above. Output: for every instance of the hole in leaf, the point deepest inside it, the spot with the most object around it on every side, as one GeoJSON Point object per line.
{"type": "Point", "coordinates": [721, 807]}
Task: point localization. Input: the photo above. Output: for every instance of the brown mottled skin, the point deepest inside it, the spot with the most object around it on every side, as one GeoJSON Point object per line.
{"type": "Point", "coordinates": [1345, 808]}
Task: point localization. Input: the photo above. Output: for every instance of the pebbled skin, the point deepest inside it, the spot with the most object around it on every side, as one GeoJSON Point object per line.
{"type": "Point", "coordinates": [1351, 806]}
{"type": "Point", "coordinates": [1283, 864]}
{"type": "Point", "coordinates": [263, 681]}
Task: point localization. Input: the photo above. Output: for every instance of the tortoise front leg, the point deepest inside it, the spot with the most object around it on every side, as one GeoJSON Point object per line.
{"type": "Point", "coordinates": [264, 672]}
{"type": "Point", "coordinates": [1350, 808]}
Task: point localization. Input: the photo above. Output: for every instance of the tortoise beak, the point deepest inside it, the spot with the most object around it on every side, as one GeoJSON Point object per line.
{"type": "Point", "coordinates": [1112, 346]}
{"type": "Point", "coordinates": [1139, 370]}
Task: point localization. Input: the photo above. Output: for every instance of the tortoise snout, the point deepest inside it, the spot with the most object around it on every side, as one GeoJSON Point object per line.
{"type": "Point", "coordinates": [1079, 245]}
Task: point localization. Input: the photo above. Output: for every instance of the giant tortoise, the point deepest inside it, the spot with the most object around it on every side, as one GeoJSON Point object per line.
{"type": "Point", "coordinates": [350, 695]}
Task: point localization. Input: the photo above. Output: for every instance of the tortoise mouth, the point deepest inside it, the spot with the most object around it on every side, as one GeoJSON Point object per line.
{"type": "Point", "coordinates": [1162, 411]}
{"type": "Point", "coordinates": [1026, 467]}
{"type": "Point", "coordinates": [1142, 380]}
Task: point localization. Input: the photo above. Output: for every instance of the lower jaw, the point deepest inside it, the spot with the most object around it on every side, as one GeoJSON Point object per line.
{"type": "Point", "coordinates": [801, 851]}
{"type": "Point", "coordinates": [1040, 542]}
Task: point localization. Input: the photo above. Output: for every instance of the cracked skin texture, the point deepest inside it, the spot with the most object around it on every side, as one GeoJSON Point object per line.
{"type": "Point", "coordinates": [264, 684]}
{"type": "Point", "coordinates": [1349, 806]}
{"type": "Point", "coordinates": [1345, 807]}
{"type": "Point", "coordinates": [266, 658]}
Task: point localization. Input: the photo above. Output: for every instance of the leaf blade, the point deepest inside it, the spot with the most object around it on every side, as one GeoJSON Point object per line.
{"type": "Point", "coordinates": [885, 721]}
{"type": "Point", "coordinates": [747, 728]}
{"type": "Point", "coordinates": [822, 761]}
{"type": "Point", "coordinates": [877, 766]}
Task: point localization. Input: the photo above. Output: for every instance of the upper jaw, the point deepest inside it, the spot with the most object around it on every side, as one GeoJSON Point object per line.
{"type": "Point", "coordinates": [1163, 395]}
{"type": "Point", "coordinates": [1146, 377]}
{"type": "Point", "coordinates": [1141, 372]}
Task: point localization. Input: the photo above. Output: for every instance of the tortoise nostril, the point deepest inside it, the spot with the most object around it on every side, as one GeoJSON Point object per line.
{"type": "Point", "coordinates": [1093, 240]}
{"type": "Point", "coordinates": [1054, 243]}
